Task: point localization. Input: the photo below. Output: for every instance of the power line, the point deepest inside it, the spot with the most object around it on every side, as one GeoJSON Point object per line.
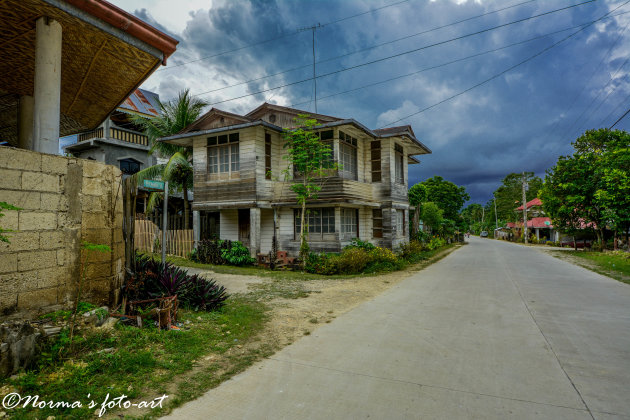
{"type": "Point", "coordinates": [574, 101]}
{"type": "Point", "coordinates": [624, 101]}
{"type": "Point", "coordinates": [601, 90]}
{"type": "Point", "coordinates": [373, 46]}
{"type": "Point", "coordinates": [285, 35]}
{"type": "Point", "coordinates": [451, 62]}
{"type": "Point", "coordinates": [620, 118]}
{"type": "Point", "coordinates": [400, 54]}
{"type": "Point", "coordinates": [501, 73]}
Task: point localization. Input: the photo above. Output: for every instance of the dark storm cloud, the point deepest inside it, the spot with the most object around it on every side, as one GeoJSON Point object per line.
{"type": "Point", "coordinates": [522, 121]}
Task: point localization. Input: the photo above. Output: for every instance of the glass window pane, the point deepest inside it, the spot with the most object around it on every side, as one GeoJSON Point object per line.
{"type": "Point", "coordinates": [235, 157]}
{"type": "Point", "coordinates": [234, 138]}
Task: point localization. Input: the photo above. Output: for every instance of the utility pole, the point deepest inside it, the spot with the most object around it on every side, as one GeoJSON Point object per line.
{"type": "Point", "coordinates": [496, 218]}
{"type": "Point", "coordinates": [524, 209]}
{"type": "Point", "coordinates": [313, 28]}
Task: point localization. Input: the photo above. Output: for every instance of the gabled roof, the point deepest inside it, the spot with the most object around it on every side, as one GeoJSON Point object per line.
{"type": "Point", "coordinates": [536, 222]}
{"type": "Point", "coordinates": [213, 114]}
{"type": "Point", "coordinates": [141, 102]}
{"type": "Point", "coordinates": [262, 109]}
{"type": "Point", "coordinates": [535, 202]}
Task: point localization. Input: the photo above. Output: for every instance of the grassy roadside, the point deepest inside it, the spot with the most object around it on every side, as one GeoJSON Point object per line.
{"type": "Point", "coordinates": [615, 264]}
{"type": "Point", "coordinates": [144, 364]}
{"type": "Point", "coordinates": [134, 362]}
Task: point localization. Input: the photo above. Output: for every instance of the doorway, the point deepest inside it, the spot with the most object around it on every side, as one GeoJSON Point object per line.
{"type": "Point", "coordinates": [243, 226]}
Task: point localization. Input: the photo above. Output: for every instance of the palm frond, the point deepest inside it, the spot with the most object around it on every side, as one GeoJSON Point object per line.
{"type": "Point", "coordinates": [155, 198]}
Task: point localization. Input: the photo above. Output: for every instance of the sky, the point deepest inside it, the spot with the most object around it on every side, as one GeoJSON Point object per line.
{"type": "Point", "coordinates": [487, 101]}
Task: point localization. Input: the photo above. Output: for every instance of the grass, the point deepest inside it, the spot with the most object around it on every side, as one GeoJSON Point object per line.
{"type": "Point", "coordinates": [612, 264]}
{"type": "Point", "coordinates": [140, 362]}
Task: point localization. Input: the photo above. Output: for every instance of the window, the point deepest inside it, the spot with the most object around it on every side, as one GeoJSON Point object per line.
{"type": "Point", "coordinates": [223, 154]}
{"type": "Point", "coordinates": [400, 222]}
{"type": "Point", "coordinates": [320, 222]}
{"type": "Point", "coordinates": [129, 166]}
{"type": "Point", "coordinates": [348, 155]}
{"type": "Point", "coordinates": [349, 223]}
{"type": "Point", "coordinates": [375, 151]}
{"type": "Point", "coordinates": [399, 156]}
{"type": "Point", "coordinates": [267, 156]}
{"type": "Point", "coordinates": [377, 223]}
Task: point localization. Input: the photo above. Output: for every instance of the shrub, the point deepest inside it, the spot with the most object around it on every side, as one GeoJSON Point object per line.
{"type": "Point", "coordinates": [384, 255]}
{"type": "Point", "coordinates": [358, 243]}
{"type": "Point", "coordinates": [237, 254]}
{"type": "Point", "coordinates": [435, 243]}
{"type": "Point", "coordinates": [410, 251]}
{"type": "Point", "coordinates": [219, 252]}
{"type": "Point", "coordinates": [154, 279]}
{"type": "Point", "coordinates": [353, 260]}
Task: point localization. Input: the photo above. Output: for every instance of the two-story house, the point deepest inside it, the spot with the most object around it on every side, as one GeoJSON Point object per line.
{"type": "Point", "coordinates": [239, 182]}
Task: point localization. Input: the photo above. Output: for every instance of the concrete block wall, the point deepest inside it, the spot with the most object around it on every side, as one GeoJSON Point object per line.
{"type": "Point", "coordinates": [64, 202]}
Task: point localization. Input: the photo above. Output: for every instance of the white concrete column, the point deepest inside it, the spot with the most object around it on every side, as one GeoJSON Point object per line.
{"type": "Point", "coordinates": [25, 127]}
{"type": "Point", "coordinates": [47, 87]}
{"type": "Point", "coordinates": [196, 227]}
{"type": "Point", "coordinates": [254, 231]}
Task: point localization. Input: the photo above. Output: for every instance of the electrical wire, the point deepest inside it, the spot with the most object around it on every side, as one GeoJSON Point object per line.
{"type": "Point", "coordinates": [452, 62]}
{"type": "Point", "coordinates": [371, 47]}
{"type": "Point", "coordinates": [285, 35]}
{"type": "Point", "coordinates": [400, 54]}
{"type": "Point", "coordinates": [504, 71]}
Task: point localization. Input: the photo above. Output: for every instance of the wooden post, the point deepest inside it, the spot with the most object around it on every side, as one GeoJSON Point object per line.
{"type": "Point", "coordinates": [130, 192]}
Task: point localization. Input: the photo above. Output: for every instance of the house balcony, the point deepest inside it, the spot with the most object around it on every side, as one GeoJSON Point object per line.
{"type": "Point", "coordinates": [120, 134]}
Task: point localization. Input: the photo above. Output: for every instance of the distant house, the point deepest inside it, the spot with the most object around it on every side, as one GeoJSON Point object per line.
{"type": "Point", "coordinates": [238, 160]}
{"type": "Point", "coordinates": [537, 222]}
{"type": "Point", "coordinates": [118, 140]}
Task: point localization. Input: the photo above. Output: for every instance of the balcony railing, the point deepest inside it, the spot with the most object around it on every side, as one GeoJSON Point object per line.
{"type": "Point", "coordinates": [115, 134]}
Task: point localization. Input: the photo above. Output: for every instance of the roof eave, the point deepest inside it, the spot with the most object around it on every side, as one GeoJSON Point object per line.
{"type": "Point", "coordinates": [185, 139]}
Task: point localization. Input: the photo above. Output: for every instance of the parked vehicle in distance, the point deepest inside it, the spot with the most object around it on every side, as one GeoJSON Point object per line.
{"type": "Point", "coordinates": [483, 234]}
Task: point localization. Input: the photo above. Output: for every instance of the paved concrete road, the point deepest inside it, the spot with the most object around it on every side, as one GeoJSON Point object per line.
{"type": "Point", "coordinates": [493, 331]}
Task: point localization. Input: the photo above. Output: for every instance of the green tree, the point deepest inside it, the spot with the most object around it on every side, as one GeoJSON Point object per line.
{"type": "Point", "coordinates": [310, 161]}
{"type": "Point", "coordinates": [446, 195]}
{"type": "Point", "coordinates": [432, 216]}
{"type": "Point", "coordinates": [175, 115]}
{"type": "Point", "coordinates": [472, 216]}
{"type": "Point", "coordinates": [509, 194]}
{"type": "Point", "coordinates": [417, 194]}
{"type": "Point", "coordinates": [591, 187]}
{"type": "Point", "coordinates": [561, 197]}
{"type": "Point", "coordinates": [610, 152]}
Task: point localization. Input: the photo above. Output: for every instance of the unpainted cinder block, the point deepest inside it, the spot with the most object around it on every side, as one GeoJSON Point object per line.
{"type": "Point", "coordinates": [20, 241]}
{"type": "Point", "coordinates": [54, 164]}
{"type": "Point", "coordinates": [97, 220]}
{"type": "Point", "coordinates": [8, 263]}
{"type": "Point", "coordinates": [51, 239]}
{"type": "Point", "coordinates": [10, 220]}
{"type": "Point", "coordinates": [51, 277]}
{"type": "Point", "coordinates": [93, 186]}
{"type": "Point", "coordinates": [37, 181]}
{"type": "Point", "coordinates": [11, 179]}
{"type": "Point", "coordinates": [37, 221]}
{"type": "Point", "coordinates": [12, 158]}
{"type": "Point", "coordinates": [36, 259]}
{"type": "Point", "coordinates": [28, 200]}
{"type": "Point", "coordinates": [51, 201]}
{"type": "Point", "coordinates": [36, 299]}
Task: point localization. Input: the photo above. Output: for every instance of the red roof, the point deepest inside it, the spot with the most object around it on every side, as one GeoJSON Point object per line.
{"type": "Point", "coordinates": [536, 222]}
{"type": "Point", "coordinates": [534, 202]}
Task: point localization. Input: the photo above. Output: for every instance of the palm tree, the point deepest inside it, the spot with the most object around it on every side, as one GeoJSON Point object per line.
{"type": "Point", "coordinates": [175, 115]}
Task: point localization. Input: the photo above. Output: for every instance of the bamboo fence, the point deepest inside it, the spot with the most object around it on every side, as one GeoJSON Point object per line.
{"type": "Point", "coordinates": [148, 238]}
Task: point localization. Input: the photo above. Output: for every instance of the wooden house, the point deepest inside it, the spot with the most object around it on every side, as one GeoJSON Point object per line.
{"type": "Point", "coordinates": [238, 162]}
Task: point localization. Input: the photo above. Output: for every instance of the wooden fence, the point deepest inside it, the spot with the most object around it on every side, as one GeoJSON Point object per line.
{"type": "Point", "coordinates": [148, 238]}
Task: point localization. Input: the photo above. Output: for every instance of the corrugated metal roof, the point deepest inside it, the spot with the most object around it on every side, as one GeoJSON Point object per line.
{"type": "Point", "coordinates": [534, 202]}
{"type": "Point", "coordinates": [142, 102]}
